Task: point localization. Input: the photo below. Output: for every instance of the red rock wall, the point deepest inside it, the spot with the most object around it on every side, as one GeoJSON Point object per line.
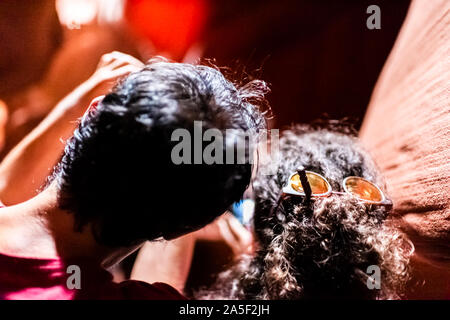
{"type": "Point", "coordinates": [407, 129]}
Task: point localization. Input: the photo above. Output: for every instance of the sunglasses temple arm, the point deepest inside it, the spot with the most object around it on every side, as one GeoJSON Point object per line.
{"type": "Point", "coordinates": [305, 184]}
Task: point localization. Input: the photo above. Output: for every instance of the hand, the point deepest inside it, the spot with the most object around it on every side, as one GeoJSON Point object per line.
{"type": "Point", "coordinates": [21, 172]}
{"type": "Point", "coordinates": [112, 67]}
{"type": "Point", "coordinates": [227, 228]}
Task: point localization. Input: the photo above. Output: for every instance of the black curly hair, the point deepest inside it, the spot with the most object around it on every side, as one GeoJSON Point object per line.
{"type": "Point", "coordinates": [320, 249]}
{"type": "Point", "coordinates": [117, 174]}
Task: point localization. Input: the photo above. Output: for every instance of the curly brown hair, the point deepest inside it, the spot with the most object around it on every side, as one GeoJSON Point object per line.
{"type": "Point", "coordinates": [321, 249]}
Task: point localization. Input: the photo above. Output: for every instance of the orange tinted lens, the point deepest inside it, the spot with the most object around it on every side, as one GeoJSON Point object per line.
{"type": "Point", "coordinates": [317, 183]}
{"type": "Point", "coordinates": [363, 189]}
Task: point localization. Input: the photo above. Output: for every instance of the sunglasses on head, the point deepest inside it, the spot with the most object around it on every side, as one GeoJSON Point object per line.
{"type": "Point", "coordinates": [312, 185]}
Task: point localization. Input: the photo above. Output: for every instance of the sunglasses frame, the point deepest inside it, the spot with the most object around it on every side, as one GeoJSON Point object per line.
{"type": "Point", "coordinates": [288, 190]}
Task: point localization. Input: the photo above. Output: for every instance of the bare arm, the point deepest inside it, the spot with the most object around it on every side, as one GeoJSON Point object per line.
{"type": "Point", "coordinates": [25, 169]}
{"type": "Point", "coordinates": [170, 261]}
{"type": "Point", "coordinates": [165, 261]}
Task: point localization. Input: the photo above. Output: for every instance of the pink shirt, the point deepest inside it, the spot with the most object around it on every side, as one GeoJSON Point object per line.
{"type": "Point", "coordinates": [46, 279]}
{"type": "Point", "coordinates": [27, 279]}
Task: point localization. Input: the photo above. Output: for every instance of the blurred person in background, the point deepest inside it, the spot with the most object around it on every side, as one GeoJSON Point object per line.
{"type": "Point", "coordinates": [55, 47]}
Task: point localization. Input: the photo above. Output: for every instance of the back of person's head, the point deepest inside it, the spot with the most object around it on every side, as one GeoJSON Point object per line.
{"type": "Point", "coordinates": [117, 173]}
{"type": "Point", "coordinates": [320, 249]}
